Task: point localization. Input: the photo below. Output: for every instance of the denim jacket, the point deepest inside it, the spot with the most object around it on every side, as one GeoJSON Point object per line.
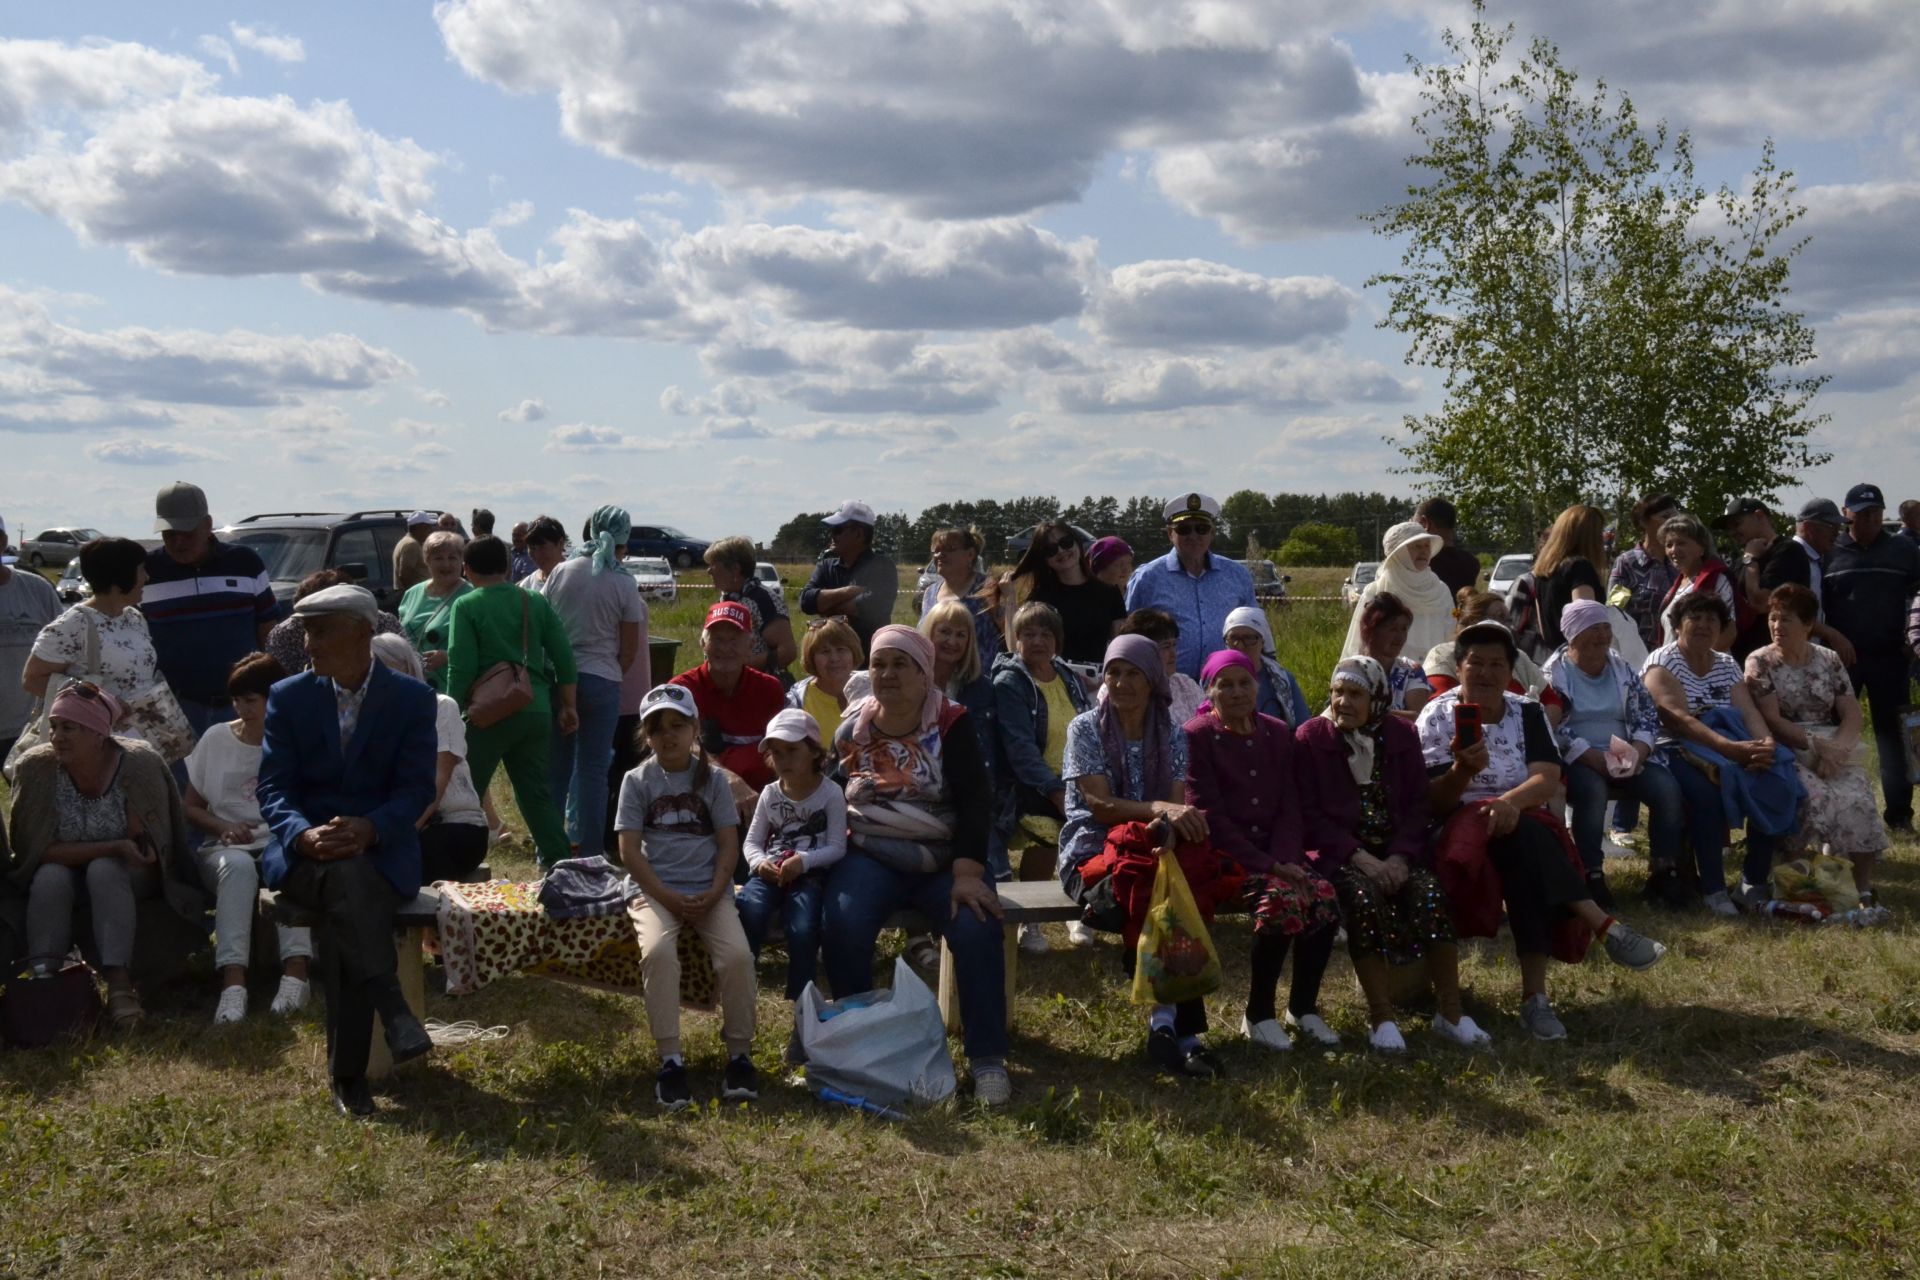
{"type": "Point", "coordinates": [1023, 721]}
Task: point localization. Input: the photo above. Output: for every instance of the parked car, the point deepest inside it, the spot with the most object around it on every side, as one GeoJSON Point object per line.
{"type": "Point", "coordinates": [655, 577]}
{"type": "Point", "coordinates": [1269, 584]}
{"type": "Point", "coordinates": [1506, 572]}
{"type": "Point", "coordinates": [1357, 581]}
{"type": "Point", "coordinates": [770, 578]}
{"type": "Point", "coordinates": [54, 548]}
{"type": "Point", "coordinates": [928, 576]}
{"type": "Point", "coordinates": [294, 544]}
{"type": "Point", "coordinates": [667, 542]}
{"type": "Point", "coordinates": [72, 588]}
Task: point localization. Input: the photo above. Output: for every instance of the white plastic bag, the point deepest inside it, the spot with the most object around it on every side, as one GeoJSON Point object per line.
{"type": "Point", "coordinates": [884, 1046]}
{"type": "Point", "coordinates": [1626, 637]}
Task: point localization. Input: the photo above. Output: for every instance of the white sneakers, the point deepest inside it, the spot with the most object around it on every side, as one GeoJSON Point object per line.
{"type": "Point", "coordinates": [1386, 1038]}
{"type": "Point", "coordinates": [1315, 1028]}
{"type": "Point", "coordinates": [1080, 933]}
{"type": "Point", "coordinates": [1268, 1034]}
{"type": "Point", "coordinates": [1033, 940]}
{"type": "Point", "coordinates": [291, 997]}
{"type": "Point", "coordinates": [992, 1086]}
{"type": "Point", "coordinates": [232, 1006]}
{"type": "Point", "coordinates": [1466, 1033]}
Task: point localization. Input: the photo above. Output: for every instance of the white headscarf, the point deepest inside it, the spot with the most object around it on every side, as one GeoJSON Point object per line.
{"type": "Point", "coordinates": [1256, 620]}
{"type": "Point", "coordinates": [1422, 592]}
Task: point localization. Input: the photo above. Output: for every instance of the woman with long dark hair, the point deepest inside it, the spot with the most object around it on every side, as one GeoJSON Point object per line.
{"type": "Point", "coordinates": [1054, 570]}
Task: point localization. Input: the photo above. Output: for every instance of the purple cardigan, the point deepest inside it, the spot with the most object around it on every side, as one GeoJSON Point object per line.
{"type": "Point", "coordinates": [1246, 786]}
{"type": "Point", "coordinates": [1330, 799]}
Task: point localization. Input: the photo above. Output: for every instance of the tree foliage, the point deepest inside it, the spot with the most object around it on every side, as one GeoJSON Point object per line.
{"type": "Point", "coordinates": [1313, 543]}
{"type": "Point", "coordinates": [1604, 327]}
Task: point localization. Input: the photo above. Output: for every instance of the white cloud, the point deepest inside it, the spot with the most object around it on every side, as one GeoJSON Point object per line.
{"type": "Point", "coordinates": [218, 49]}
{"type": "Point", "coordinates": [1180, 305]}
{"type": "Point", "coordinates": [262, 41]}
{"type": "Point", "coordinates": [982, 275]}
{"type": "Point", "coordinates": [1870, 351]}
{"type": "Point", "coordinates": [952, 110]}
{"type": "Point", "coordinates": [185, 366]}
{"type": "Point", "coordinates": [529, 410]}
{"type": "Point", "coordinates": [512, 214]}
{"type": "Point", "coordinates": [1159, 385]}
{"type": "Point", "coordinates": [1315, 178]}
{"type": "Point", "coordinates": [142, 452]}
{"type": "Point", "coordinates": [437, 399]}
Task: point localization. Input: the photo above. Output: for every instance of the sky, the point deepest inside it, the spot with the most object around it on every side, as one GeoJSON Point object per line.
{"type": "Point", "coordinates": [723, 261]}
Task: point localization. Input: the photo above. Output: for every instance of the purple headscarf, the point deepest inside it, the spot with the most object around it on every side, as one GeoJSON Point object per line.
{"type": "Point", "coordinates": [1156, 773]}
{"type": "Point", "coordinates": [1223, 659]}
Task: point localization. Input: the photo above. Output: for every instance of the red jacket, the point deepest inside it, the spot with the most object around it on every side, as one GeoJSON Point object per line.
{"type": "Point", "coordinates": [1472, 885]}
{"type": "Point", "coordinates": [1132, 858]}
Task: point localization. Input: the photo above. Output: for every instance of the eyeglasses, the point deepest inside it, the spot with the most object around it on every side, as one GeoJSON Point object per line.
{"type": "Point", "coordinates": [1192, 529]}
{"type": "Point", "coordinates": [85, 688]}
{"type": "Point", "coordinates": [1065, 544]}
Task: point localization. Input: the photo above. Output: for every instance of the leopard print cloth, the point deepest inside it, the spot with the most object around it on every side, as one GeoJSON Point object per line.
{"type": "Point", "coordinates": [488, 931]}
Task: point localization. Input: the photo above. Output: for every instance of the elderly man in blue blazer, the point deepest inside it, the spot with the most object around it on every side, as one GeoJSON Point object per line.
{"type": "Point", "coordinates": [346, 769]}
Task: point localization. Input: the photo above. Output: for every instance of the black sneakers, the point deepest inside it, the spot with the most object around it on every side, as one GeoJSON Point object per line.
{"type": "Point", "coordinates": [742, 1082]}
{"type": "Point", "coordinates": [1164, 1051]}
{"type": "Point", "coordinates": [670, 1086]}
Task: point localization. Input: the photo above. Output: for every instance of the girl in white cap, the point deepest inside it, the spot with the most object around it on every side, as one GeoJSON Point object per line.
{"type": "Point", "coordinates": [799, 829]}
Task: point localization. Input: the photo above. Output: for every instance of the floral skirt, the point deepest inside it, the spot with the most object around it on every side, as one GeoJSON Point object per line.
{"type": "Point", "coordinates": [1401, 928]}
{"type": "Point", "coordinates": [1288, 909]}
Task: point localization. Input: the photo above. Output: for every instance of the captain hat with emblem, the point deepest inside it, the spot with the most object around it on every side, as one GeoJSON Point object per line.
{"type": "Point", "coordinates": [1191, 506]}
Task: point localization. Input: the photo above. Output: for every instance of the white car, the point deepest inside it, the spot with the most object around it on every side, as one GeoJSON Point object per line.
{"type": "Point", "coordinates": [1357, 582]}
{"type": "Point", "coordinates": [655, 577]}
{"type": "Point", "coordinates": [1506, 572]}
{"type": "Point", "coordinates": [769, 577]}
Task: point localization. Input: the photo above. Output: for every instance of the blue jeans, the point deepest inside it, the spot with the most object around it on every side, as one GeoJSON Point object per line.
{"type": "Point", "coordinates": [862, 893]}
{"type": "Point", "coordinates": [1653, 786]}
{"type": "Point", "coordinates": [799, 906]}
{"type": "Point", "coordinates": [1707, 830]}
{"type": "Point", "coordinates": [577, 771]}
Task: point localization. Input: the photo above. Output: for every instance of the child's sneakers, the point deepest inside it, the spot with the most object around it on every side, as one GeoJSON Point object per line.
{"type": "Point", "coordinates": [290, 998]}
{"type": "Point", "coordinates": [741, 1082]}
{"type": "Point", "coordinates": [232, 1006]}
{"type": "Point", "coordinates": [670, 1086]}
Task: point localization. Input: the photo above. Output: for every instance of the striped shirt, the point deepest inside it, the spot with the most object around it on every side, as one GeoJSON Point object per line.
{"type": "Point", "coordinates": [205, 617]}
{"type": "Point", "coordinates": [1704, 692]}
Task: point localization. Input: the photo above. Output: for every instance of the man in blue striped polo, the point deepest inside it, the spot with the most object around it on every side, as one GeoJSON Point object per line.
{"type": "Point", "coordinates": [207, 603]}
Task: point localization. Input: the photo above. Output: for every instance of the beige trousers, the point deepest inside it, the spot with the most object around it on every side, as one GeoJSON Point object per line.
{"type": "Point", "coordinates": [659, 931]}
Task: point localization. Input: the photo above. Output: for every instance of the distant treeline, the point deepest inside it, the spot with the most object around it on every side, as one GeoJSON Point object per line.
{"type": "Point", "coordinates": [1292, 528]}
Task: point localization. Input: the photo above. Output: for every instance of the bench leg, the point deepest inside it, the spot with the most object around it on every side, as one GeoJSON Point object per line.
{"type": "Point", "coordinates": [1011, 946]}
{"type": "Point", "coordinates": [413, 985]}
{"type": "Point", "coordinates": [949, 990]}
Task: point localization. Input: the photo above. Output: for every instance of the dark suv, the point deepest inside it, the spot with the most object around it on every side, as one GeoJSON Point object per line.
{"type": "Point", "coordinates": [294, 544]}
{"type": "Point", "coordinates": [667, 542]}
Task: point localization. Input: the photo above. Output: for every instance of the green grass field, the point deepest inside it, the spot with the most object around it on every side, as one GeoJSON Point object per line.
{"type": "Point", "coordinates": [1748, 1108]}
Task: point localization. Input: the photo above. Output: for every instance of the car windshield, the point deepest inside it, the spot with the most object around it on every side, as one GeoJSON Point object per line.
{"type": "Point", "coordinates": [672, 532]}
{"type": "Point", "coordinates": [652, 566]}
{"type": "Point", "coordinates": [86, 535]}
{"type": "Point", "coordinates": [1263, 570]}
{"type": "Point", "coordinates": [1512, 566]}
{"type": "Point", "coordinates": [766, 573]}
{"type": "Point", "coordinates": [289, 554]}
{"type": "Point", "coordinates": [1364, 572]}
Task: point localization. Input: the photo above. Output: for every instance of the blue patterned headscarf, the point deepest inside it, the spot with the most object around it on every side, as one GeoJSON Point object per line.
{"type": "Point", "coordinates": [607, 530]}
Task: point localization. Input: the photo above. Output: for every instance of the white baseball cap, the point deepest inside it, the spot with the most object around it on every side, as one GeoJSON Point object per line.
{"type": "Point", "coordinates": [669, 697]}
{"type": "Point", "coordinates": [792, 725]}
{"type": "Point", "coordinates": [851, 512]}
{"type": "Point", "coordinates": [422, 517]}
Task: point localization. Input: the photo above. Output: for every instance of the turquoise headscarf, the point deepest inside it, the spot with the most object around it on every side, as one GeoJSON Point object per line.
{"type": "Point", "coordinates": [607, 530]}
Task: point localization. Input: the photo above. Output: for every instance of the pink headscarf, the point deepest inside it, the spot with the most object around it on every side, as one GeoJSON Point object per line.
{"type": "Point", "coordinates": [96, 711]}
{"type": "Point", "coordinates": [919, 650]}
{"type": "Point", "coordinates": [1221, 660]}
{"type": "Point", "coordinates": [1580, 615]}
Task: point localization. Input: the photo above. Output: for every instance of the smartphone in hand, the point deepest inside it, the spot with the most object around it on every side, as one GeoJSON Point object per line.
{"type": "Point", "coordinates": [1466, 726]}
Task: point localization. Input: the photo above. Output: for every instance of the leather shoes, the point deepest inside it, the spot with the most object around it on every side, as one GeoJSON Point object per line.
{"type": "Point", "coordinates": [406, 1038]}
{"type": "Point", "coordinates": [352, 1097]}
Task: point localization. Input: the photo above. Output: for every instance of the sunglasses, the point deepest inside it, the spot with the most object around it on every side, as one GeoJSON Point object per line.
{"type": "Point", "coordinates": [1192, 529]}
{"type": "Point", "coordinates": [85, 688]}
{"type": "Point", "coordinates": [1065, 544]}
